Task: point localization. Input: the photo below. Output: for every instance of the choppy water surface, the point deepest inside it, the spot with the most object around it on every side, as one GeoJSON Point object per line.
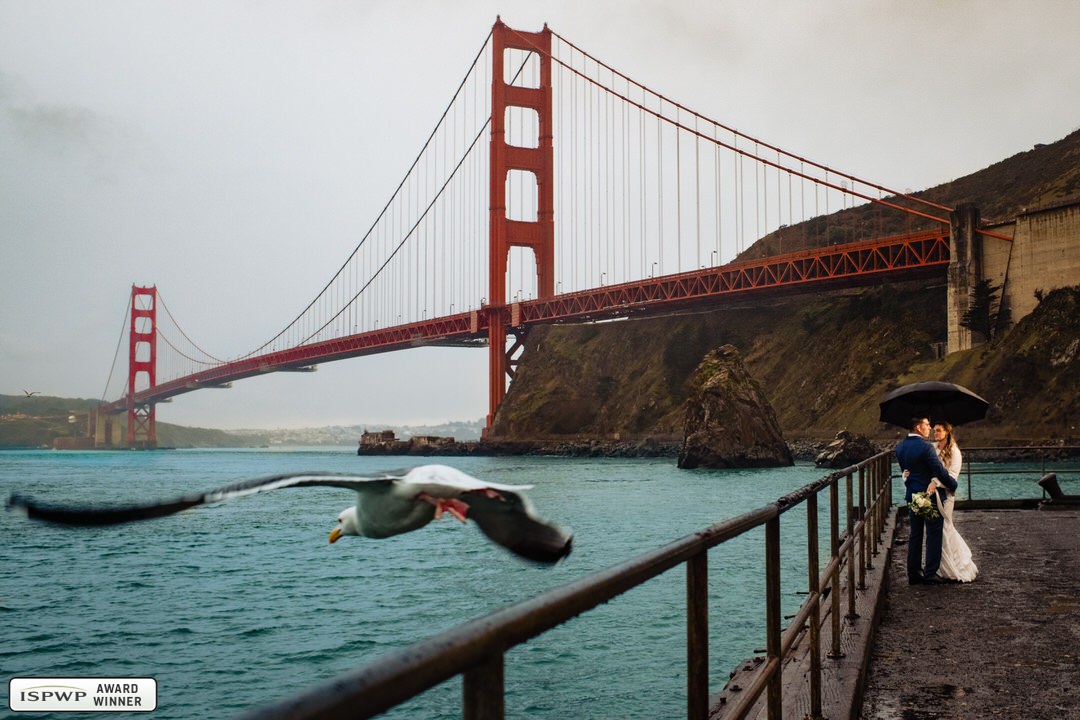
{"type": "Point", "coordinates": [246, 602]}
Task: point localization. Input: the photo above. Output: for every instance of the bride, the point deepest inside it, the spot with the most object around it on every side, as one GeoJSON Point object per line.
{"type": "Point", "coordinates": [956, 563]}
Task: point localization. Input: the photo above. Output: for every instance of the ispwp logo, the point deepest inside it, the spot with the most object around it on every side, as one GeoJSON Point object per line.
{"type": "Point", "coordinates": [82, 694]}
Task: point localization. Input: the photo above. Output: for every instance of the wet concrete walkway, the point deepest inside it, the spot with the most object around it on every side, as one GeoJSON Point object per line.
{"type": "Point", "coordinates": [1004, 646]}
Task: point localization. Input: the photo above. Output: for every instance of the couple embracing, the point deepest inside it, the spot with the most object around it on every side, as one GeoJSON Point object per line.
{"type": "Point", "coordinates": [924, 464]}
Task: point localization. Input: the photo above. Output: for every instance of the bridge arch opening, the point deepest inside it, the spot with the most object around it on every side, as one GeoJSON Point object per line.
{"type": "Point", "coordinates": [521, 275]}
{"type": "Point", "coordinates": [521, 68]}
{"type": "Point", "coordinates": [522, 127]}
{"type": "Point", "coordinates": [142, 352]}
{"type": "Point", "coordinates": [522, 193]}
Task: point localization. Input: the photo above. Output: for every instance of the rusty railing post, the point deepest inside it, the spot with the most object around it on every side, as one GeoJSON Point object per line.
{"type": "Point", "coordinates": [875, 499]}
{"type": "Point", "coordinates": [772, 617]}
{"type": "Point", "coordinates": [851, 614]}
{"type": "Point", "coordinates": [864, 536]}
{"type": "Point", "coordinates": [482, 691]}
{"type": "Point", "coordinates": [814, 580]}
{"type": "Point", "coordinates": [697, 637]}
{"type": "Point", "coordinates": [834, 556]}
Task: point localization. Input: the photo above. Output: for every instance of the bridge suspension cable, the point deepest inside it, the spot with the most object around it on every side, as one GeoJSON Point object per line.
{"type": "Point", "coordinates": [424, 255]}
{"type": "Point", "coordinates": [189, 355]}
{"type": "Point", "coordinates": [116, 355]}
{"type": "Point", "coordinates": [735, 133]}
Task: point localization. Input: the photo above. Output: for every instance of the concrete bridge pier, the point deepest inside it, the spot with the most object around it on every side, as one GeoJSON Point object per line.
{"type": "Point", "coordinates": [108, 429]}
{"type": "Point", "coordinates": [965, 271]}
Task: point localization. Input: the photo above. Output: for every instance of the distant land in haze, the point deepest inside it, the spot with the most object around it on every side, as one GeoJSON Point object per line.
{"type": "Point", "coordinates": [350, 434]}
{"type": "Point", "coordinates": [35, 421]}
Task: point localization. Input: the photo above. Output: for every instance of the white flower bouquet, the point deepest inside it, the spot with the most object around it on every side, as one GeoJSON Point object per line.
{"type": "Point", "coordinates": [922, 504]}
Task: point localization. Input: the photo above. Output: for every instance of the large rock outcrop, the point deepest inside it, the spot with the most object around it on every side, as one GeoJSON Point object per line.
{"type": "Point", "coordinates": [729, 422]}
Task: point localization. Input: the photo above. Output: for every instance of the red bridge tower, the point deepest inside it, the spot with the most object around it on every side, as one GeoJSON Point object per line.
{"type": "Point", "coordinates": [142, 358]}
{"type": "Point", "coordinates": [504, 233]}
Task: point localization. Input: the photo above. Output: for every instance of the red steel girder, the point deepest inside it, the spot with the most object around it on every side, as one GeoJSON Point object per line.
{"type": "Point", "coordinates": [452, 329]}
{"type": "Point", "coordinates": [851, 263]}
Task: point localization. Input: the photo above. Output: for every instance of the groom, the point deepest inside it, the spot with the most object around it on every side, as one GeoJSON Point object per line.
{"type": "Point", "coordinates": [917, 455]}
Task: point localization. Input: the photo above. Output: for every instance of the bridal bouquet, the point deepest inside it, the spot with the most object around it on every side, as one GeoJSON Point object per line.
{"type": "Point", "coordinates": [922, 504]}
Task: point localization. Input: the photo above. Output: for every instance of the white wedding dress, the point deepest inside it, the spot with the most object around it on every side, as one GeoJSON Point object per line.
{"type": "Point", "coordinates": [956, 563]}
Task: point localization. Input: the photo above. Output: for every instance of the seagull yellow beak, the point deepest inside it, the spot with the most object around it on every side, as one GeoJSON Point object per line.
{"type": "Point", "coordinates": [335, 535]}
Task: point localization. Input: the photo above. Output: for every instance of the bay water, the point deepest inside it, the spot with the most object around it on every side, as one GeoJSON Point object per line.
{"type": "Point", "coordinates": [242, 603]}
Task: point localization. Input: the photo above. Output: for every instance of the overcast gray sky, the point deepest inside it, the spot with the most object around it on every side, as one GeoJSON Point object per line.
{"type": "Point", "coordinates": [233, 152]}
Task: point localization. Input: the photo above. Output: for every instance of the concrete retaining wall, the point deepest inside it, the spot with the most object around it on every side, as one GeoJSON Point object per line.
{"type": "Point", "coordinates": [1043, 255]}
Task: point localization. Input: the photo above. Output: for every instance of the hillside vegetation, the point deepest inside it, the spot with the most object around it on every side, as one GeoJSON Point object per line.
{"type": "Point", "coordinates": [824, 363]}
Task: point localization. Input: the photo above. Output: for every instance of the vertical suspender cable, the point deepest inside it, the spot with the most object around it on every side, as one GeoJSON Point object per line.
{"type": "Point", "coordinates": [641, 224]}
{"type": "Point", "coordinates": [761, 205]}
{"type": "Point", "coordinates": [660, 188]}
{"type": "Point", "coordinates": [678, 191]}
{"type": "Point", "coordinates": [697, 191]}
{"type": "Point", "coordinates": [740, 204]}
{"type": "Point", "coordinates": [627, 204]}
{"type": "Point", "coordinates": [719, 203]}
{"type": "Point", "coordinates": [780, 201]}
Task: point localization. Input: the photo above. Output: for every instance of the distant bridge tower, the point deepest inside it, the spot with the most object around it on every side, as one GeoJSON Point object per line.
{"type": "Point", "coordinates": [142, 358]}
{"type": "Point", "coordinates": [504, 233]}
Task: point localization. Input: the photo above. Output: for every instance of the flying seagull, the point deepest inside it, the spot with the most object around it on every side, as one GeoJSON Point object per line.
{"type": "Point", "coordinates": [30, 393]}
{"type": "Point", "coordinates": [387, 504]}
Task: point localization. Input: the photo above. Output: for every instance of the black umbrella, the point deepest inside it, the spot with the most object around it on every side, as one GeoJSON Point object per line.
{"type": "Point", "coordinates": [935, 400]}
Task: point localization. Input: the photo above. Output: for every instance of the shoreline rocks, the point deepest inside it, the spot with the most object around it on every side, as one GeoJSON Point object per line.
{"type": "Point", "coordinates": [845, 450]}
{"type": "Point", "coordinates": [802, 449]}
{"type": "Point", "coordinates": [566, 448]}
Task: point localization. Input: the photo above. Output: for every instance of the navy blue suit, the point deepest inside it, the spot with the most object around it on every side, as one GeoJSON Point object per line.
{"type": "Point", "coordinates": [919, 457]}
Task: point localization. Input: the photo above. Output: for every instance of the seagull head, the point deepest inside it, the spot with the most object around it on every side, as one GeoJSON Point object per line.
{"type": "Point", "coordinates": [347, 525]}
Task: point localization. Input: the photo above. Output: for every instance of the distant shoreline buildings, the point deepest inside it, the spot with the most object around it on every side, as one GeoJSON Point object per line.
{"type": "Point", "coordinates": [386, 442]}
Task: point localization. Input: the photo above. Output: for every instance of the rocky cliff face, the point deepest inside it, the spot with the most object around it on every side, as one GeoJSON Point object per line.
{"type": "Point", "coordinates": [729, 423]}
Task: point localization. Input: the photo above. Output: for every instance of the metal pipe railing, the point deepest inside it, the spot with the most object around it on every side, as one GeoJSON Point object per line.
{"type": "Point", "coordinates": [476, 649]}
{"type": "Point", "coordinates": [879, 471]}
{"type": "Point", "coordinates": [971, 456]}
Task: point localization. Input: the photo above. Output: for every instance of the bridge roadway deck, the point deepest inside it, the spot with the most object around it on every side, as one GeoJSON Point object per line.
{"type": "Point", "coordinates": [1004, 646]}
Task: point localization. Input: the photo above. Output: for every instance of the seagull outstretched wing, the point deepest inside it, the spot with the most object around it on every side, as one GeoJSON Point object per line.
{"type": "Point", "coordinates": [388, 503]}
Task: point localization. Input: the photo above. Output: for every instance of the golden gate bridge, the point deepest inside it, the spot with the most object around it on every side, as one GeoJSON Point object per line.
{"type": "Point", "coordinates": [553, 188]}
